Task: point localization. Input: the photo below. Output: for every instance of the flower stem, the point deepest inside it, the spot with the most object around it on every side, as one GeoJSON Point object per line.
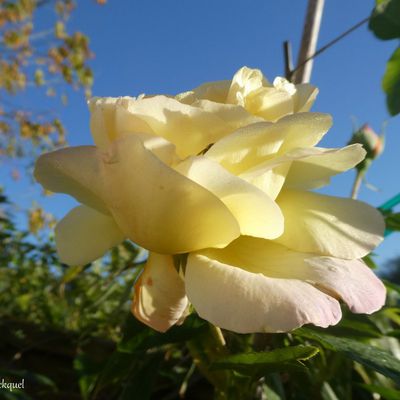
{"type": "Point", "coordinates": [218, 336]}
{"type": "Point", "coordinates": [205, 349]}
{"type": "Point", "coordinates": [357, 184]}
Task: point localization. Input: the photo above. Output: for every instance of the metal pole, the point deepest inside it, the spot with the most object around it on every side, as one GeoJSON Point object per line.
{"type": "Point", "coordinates": [309, 40]}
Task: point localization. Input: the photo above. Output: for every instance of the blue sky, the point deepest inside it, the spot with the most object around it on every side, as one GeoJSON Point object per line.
{"type": "Point", "coordinates": [173, 45]}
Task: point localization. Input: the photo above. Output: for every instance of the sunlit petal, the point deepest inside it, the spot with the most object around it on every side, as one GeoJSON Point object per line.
{"type": "Point", "coordinates": [257, 214]}
{"type": "Point", "coordinates": [73, 171]}
{"type": "Point", "coordinates": [160, 300]}
{"type": "Point", "coordinates": [157, 207]}
{"type": "Point", "coordinates": [326, 225]}
{"type": "Point", "coordinates": [85, 235]}
{"type": "Point", "coordinates": [246, 302]}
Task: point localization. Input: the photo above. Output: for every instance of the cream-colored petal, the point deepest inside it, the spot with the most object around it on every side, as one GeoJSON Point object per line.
{"type": "Point", "coordinates": [254, 210]}
{"type": "Point", "coordinates": [160, 300]}
{"type": "Point", "coordinates": [268, 177]}
{"type": "Point", "coordinates": [84, 235]}
{"type": "Point", "coordinates": [234, 116]}
{"type": "Point", "coordinates": [313, 167]}
{"type": "Point", "coordinates": [246, 302]}
{"type": "Point", "coordinates": [190, 128]}
{"type": "Point", "coordinates": [302, 168]}
{"type": "Point", "coordinates": [304, 129]}
{"type": "Point", "coordinates": [160, 147]}
{"type": "Point", "coordinates": [260, 142]}
{"type": "Point", "coordinates": [73, 171]}
{"type": "Point", "coordinates": [102, 119]}
{"type": "Point", "coordinates": [157, 207]}
{"type": "Point", "coordinates": [244, 82]}
{"type": "Point", "coordinates": [215, 91]}
{"type": "Point", "coordinates": [304, 97]}
{"type": "Point", "coordinates": [246, 147]}
{"type": "Point", "coordinates": [270, 103]}
{"type": "Point", "coordinates": [349, 280]}
{"type": "Point", "coordinates": [105, 127]}
{"type": "Point", "coordinates": [326, 225]}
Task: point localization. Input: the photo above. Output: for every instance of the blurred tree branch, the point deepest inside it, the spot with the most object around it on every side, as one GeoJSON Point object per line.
{"type": "Point", "coordinates": [32, 56]}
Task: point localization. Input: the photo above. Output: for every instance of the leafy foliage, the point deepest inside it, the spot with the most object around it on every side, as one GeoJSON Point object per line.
{"type": "Point", "coordinates": [385, 24]}
{"type": "Point", "coordinates": [41, 59]}
{"type": "Point", "coordinates": [384, 20]}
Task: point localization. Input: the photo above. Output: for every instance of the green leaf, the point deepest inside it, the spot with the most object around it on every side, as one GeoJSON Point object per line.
{"type": "Point", "coordinates": [88, 371]}
{"type": "Point", "coordinates": [395, 333]}
{"type": "Point", "coordinates": [264, 362]}
{"type": "Point", "coordinates": [391, 285]}
{"type": "Point", "coordinates": [386, 393]}
{"type": "Point", "coordinates": [138, 337]}
{"type": "Point", "coordinates": [269, 393]}
{"type": "Point", "coordinates": [393, 219]}
{"type": "Point", "coordinates": [355, 326]}
{"type": "Point", "coordinates": [142, 382]}
{"type": "Point", "coordinates": [370, 261]}
{"type": "Point", "coordinates": [370, 356]}
{"type": "Point", "coordinates": [72, 272]}
{"type": "Point", "coordinates": [385, 19]}
{"type": "Point", "coordinates": [391, 83]}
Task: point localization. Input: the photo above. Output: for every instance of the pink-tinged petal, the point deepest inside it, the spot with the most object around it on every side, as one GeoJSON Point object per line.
{"type": "Point", "coordinates": [160, 300]}
{"type": "Point", "coordinates": [157, 207]}
{"type": "Point", "coordinates": [256, 213]}
{"type": "Point", "coordinates": [84, 235]}
{"type": "Point", "coordinates": [246, 302]}
{"type": "Point", "coordinates": [352, 280]}
{"type": "Point", "coordinates": [349, 280]}
{"type": "Point", "coordinates": [73, 171]}
{"type": "Point", "coordinates": [327, 225]}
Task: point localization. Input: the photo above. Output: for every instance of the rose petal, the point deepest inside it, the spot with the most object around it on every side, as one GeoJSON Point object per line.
{"type": "Point", "coordinates": [105, 127]}
{"type": "Point", "coordinates": [244, 82]}
{"type": "Point", "coordinates": [304, 97]}
{"type": "Point", "coordinates": [160, 301]}
{"type": "Point", "coordinates": [84, 235]}
{"type": "Point", "coordinates": [190, 128]}
{"type": "Point", "coordinates": [102, 119]}
{"type": "Point", "coordinates": [350, 280]}
{"type": "Point", "coordinates": [247, 302]}
{"type": "Point", "coordinates": [326, 225]}
{"type": "Point", "coordinates": [73, 171]}
{"type": "Point", "coordinates": [268, 177]}
{"type": "Point", "coordinates": [312, 168]}
{"type": "Point", "coordinates": [254, 210]}
{"type": "Point", "coordinates": [258, 143]}
{"type": "Point", "coordinates": [215, 91]}
{"type": "Point", "coordinates": [302, 168]}
{"type": "Point", "coordinates": [157, 207]}
{"type": "Point", "coordinates": [270, 103]}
